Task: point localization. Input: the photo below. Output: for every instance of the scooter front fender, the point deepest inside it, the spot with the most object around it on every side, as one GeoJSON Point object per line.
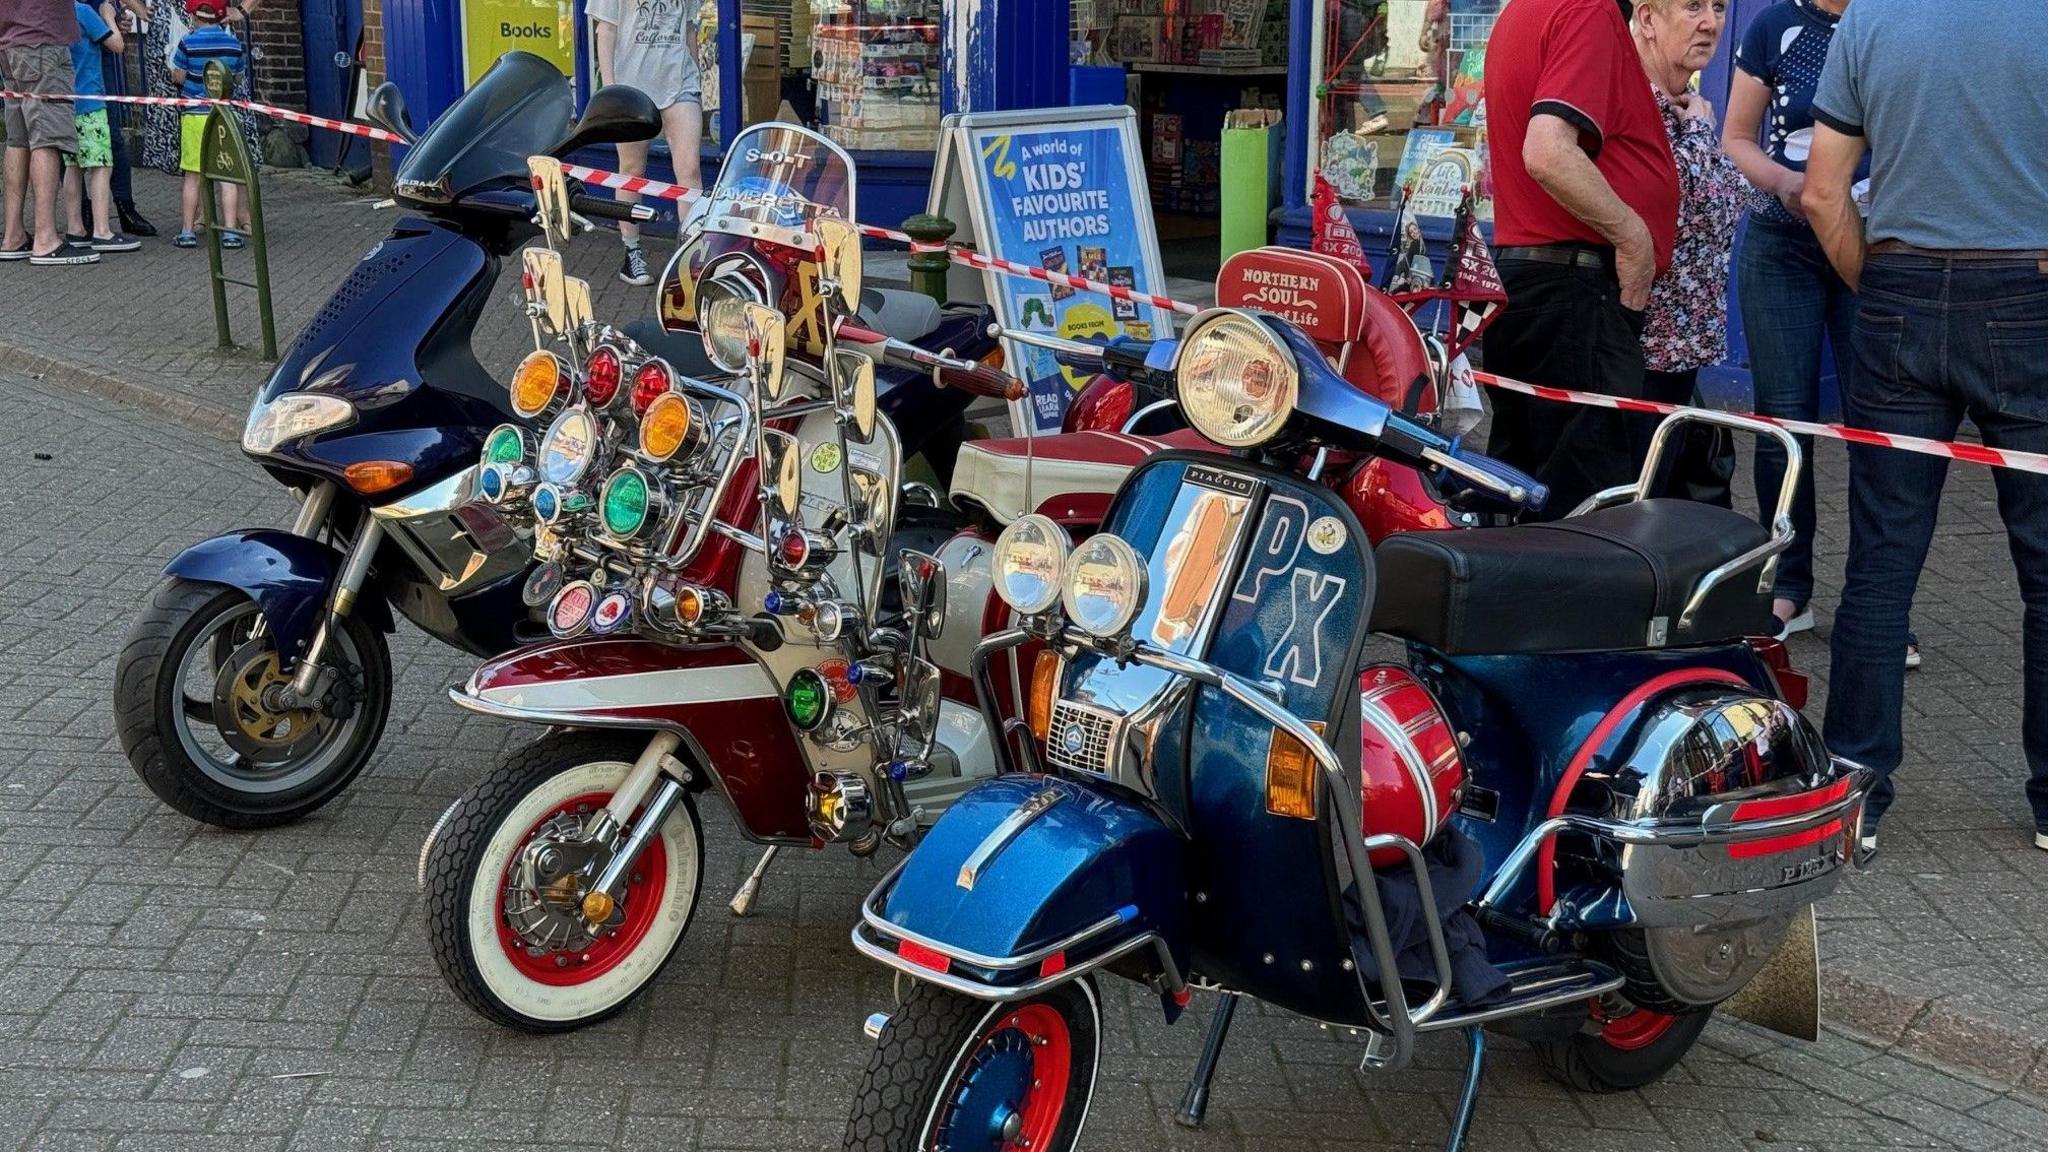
{"type": "Point", "coordinates": [288, 577]}
{"type": "Point", "coordinates": [1030, 881]}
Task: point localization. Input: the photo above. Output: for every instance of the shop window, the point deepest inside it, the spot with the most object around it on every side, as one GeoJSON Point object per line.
{"type": "Point", "coordinates": [864, 72]}
{"type": "Point", "coordinates": [1189, 64]}
{"type": "Point", "coordinates": [1400, 110]}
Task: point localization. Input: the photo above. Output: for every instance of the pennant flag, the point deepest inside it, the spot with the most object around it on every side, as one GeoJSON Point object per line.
{"type": "Point", "coordinates": [1472, 281]}
{"type": "Point", "coordinates": [1332, 234]}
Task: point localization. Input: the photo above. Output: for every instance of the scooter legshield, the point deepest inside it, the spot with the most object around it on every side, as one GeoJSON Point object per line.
{"type": "Point", "coordinates": [1028, 881]}
{"type": "Point", "coordinates": [287, 576]}
{"type": "Point", "coordinates": [716, 697]}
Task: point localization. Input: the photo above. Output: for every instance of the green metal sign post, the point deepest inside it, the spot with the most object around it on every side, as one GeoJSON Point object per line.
{"type": "Point", "coordinates": [224, 159]}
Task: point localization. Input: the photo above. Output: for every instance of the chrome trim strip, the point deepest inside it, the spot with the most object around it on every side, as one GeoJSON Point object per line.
{"type": "Point", "coordinates": [873, 919]}
{"type": "Point", "coordinates": [1011, 827]}
{"type": "Point", "coordinates": [1005, 993]}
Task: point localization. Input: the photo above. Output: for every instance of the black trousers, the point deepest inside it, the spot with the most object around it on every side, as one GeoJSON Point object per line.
{"type": "Point", "coordinates": [1702, 464]}
{"type": "Point", "coordinates": [1564, 327]}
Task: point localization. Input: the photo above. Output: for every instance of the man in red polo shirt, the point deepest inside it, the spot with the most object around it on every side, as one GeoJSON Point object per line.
{"type": "Point", "coordinates": [1585, 215]}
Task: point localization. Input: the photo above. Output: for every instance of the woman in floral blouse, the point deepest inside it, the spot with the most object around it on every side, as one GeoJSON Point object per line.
{"type": "Point", "coordinates": [1686, 324]}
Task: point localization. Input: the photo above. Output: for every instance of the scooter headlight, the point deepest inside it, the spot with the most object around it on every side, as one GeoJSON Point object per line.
{"type": "Point", "coordinates": [1029, 561]}
{"type": "Point", "coordinates": [290, 417]}
{"type": "Point", "coordinates": [629, 505]}
{"type": "Point", "coordinates": [1238, 385]}
{"type": "Point", "coordinates": [673, 423]}
{"type": "Point", "coordinates": [1104, 585]}
{"type": "Point", "coordinates": [721, 314]}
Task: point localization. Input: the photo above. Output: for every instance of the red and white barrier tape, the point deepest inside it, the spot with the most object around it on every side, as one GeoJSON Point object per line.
{"type": "Point", "coordinates": [1968, 453]}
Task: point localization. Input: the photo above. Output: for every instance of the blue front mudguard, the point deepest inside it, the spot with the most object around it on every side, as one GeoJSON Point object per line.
{"type": "Point", "coordinates": [1094, 878]}
{"type": "Point", "coordinates": [287, 576]}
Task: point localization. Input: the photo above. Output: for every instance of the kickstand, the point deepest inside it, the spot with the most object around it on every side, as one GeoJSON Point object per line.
{"type": "Point", "coordinates": [743, 900]}
{"type": "Point", "coordinates": [1468, 1097]}
{"type": "Point", "coordinates": [1194, 1105]}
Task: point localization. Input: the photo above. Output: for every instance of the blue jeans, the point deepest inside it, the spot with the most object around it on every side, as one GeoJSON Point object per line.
{"type": "Point", "coordinates": [1792, 301]}
{"type": "Point", "coordinates": [1936, 341]}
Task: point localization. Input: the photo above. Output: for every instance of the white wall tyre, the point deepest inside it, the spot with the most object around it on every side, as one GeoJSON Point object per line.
{"type": "Point", "coordinates": [479, 953]}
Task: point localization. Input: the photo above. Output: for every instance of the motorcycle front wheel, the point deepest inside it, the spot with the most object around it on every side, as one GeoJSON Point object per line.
{"type": "Point", "coordinates": [954, 1074]}
{"type": "Point", "coordinates": [194, 708]}
{"type": "Point", "coordinates": [502, 888]}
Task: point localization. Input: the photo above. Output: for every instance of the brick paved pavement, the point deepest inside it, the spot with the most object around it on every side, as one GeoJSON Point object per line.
{"type": "Point", "coordinates": [164, 986]}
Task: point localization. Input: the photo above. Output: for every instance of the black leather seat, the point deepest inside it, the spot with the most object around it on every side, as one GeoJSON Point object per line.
{"type": "Point", "coordinates": [1613, 579]}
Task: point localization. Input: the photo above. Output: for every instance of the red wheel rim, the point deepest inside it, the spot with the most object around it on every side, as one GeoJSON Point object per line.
{"type": "Point", "coordinates": [644, 888]}
{"type": "Point", "coordinates": [1011, 1091]}
{"type": "Point", "coordinates": [1635, 1031]}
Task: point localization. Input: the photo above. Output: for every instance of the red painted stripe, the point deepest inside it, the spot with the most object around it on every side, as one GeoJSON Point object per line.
{"type": "Point", "coordinates": [1546, 856]}
{"type": "Point", "coordinates": [1772, 845]}
{"type": "Point", "coordinates": [1776, 806]}
{"type": "Point", "coordinates": [924, 957]}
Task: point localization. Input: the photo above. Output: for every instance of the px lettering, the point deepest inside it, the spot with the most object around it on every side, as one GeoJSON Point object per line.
{"type": "Point", "coordinates": [1297, 653]}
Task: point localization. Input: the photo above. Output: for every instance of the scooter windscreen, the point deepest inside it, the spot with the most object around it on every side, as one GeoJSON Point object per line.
{"type": "Point", "coordinates": [776, 180]}
{"type": "Point", "coordinates": [522, 107]}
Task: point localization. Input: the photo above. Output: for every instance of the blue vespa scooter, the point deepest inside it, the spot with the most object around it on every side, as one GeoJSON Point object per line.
{"type": "Point", "coordinates": [256, 681]}
{"type": "Point", "coordinates": [1579, 809]}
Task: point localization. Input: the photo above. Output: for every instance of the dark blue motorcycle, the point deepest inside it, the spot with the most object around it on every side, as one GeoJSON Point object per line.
{"type": "Point", "coordinates": [256, 682]}
{"type": "Point", "coordinates": [1575, 804]}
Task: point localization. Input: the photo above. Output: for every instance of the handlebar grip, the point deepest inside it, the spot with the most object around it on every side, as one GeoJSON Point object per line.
{"type": "Point", "coordinates": [609, 209]}
{"type": "Point", "coordinates": [982, 380]}
{"type": "Point", "coordinates": [1504, 480]}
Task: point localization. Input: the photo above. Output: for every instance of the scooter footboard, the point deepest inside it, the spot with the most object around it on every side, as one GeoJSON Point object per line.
{"type": "Point", "coordinates": [1028, 882]}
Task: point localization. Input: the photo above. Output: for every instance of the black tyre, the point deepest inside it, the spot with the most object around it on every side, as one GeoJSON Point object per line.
{"type": "Point", "coordinates": [953, 1074]}
{"type": "Point", "coordinates": [190, 711]}
{"type": "Point", "coordinates": [532, 973]}
{"type": "Point", "coordinates": [1622, 1046]}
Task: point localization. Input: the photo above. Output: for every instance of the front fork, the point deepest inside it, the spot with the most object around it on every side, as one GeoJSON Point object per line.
{"type": "Point", "coordinates": [307, 685]}
{"type": "Point", "coordinates": [657, 779]}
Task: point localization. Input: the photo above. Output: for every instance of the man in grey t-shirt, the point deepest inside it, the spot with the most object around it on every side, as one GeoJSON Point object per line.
{"type": "Point", "coordinates": [651, 45]}
{"type": "Point", "coordinates": [1952, 321]}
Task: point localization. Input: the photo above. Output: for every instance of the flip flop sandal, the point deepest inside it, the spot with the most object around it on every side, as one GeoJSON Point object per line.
{"type": "Point", "coordinates": [185, 240]}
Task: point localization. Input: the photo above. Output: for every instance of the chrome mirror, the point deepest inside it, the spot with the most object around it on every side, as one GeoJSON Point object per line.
{"type": "Point", "coordinates": [856, 381]}
{"type": "Point", "coordinates": [542, 282]}
{"type": "Point", "coordinates": [785, 464]}
{"type": "Point", "coordinates": [576, 310]}
{"type": "Point", "coordinates": [839, 259]}
{"type": "Point", "coordinates": [922, 584]}
{"type": "Point", "coordinates": [870, 493]}
{"type": "Point", "coordinates": [551, 194]}
{"type": "Point", "coordinates": [765, 336]}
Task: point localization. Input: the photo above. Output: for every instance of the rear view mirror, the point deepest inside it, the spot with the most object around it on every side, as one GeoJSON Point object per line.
{"type": "Point", "coordinates": [922, 583]}
{"type": "Point", "coordinates": [857, 381]}
{"type": "Point", "coordinates": [551, 198]}
{"type": "Point", "coordinates": [786, 463]}
{"type": "Point", "coordinates": [576, 310]}
{"type": "Point", "coordinates": [616, 114]}
{"type": "Point", "coordinates": [545, 293]}
{"type": "Point", "coordinates": [765, 337]}
{"type": "Point", "coordinates": [387, 110]}
{"type": "Point", "coordinates": [839, 259]}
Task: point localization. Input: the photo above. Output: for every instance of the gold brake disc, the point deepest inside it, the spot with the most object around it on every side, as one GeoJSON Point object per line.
{"type": "Point", "coordinates": [242, 715]}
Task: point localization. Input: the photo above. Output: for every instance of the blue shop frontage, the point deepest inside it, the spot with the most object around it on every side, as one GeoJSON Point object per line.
{"type": "Point", "coordinates": [1242, 104]}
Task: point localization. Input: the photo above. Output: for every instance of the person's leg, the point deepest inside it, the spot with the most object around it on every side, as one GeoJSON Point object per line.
{"type": "Point", "coordinates": [13, 235]}
{"type": "Point", "coordinates": [1784, 309]}
{"type": "Point", "coordinates": [189, 202]}
{"type": "Point", "coordinates": [121, 181]}
{"type": "Point", "coordinates": [1896, 383]}
{"type": "Point", "coordinates": [2005, 377]}
{"type": "Point", "coordinates": [682, 125]}
{"type": "Point", "coordinates": [45, 177]}
{"type": "Point", "coordinates": [100, 182]}
{"type": "Point", "coordinates": [72, 189]}
{"type": "Point", "coordinates": [632, 162]}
